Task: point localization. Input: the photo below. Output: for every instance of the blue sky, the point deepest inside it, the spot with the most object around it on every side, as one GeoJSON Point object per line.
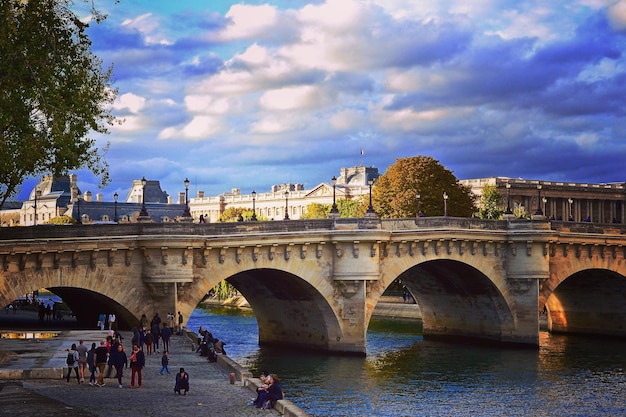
{"type": "Point", "coordinates": [253, 94]}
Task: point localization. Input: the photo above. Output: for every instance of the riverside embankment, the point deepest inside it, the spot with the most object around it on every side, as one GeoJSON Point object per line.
{"type": "Point", "coordinates": [388, 307]}
{"type": "Point", "coordinates": [32, 382]}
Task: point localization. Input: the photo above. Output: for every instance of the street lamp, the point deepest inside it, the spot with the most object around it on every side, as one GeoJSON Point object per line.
{"type": "Point", "coordinates": [571, 217]}
{"type": "Point", "coordinates": [253, 206]}
{"type": "Point", "coordinates": [539, 212]}
{"type": "Point", "coordinates": [37, 194]}
{"type": "Point", "coordinates": [445, 204]}
{"type": "Point", "coordinates": [143, 212]}
{"type": "Point", "coordinates": [370, 209]}
{"type": "Point", "coordinates": [77, 200]}
{"type": "Point", "coordinates": [286, 205]}
{"type": "Point", "coordinates": [508, 199]}
{"type": "Point", "coordinates": [544, 200]}
{"type": "Point", "coordinates": [334, 211]}
{"type": "Point", "coordinates": [187, 213]}
{"type": "Point", "coordinates": [418, 204]}
{"type": "Point", "coordinates": [115, 209]}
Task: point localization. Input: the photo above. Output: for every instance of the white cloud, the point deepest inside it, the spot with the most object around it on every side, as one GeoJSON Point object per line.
{"type": "Point", "coordinates": [199, 128]}
{"type": "Point", "coordinates": [130, 101]}
{"type": "Point", "coordinates": [291, 98]}
{"type": "Point", "coordinates": [617, 15]}
{"type": "Point", "coordinates": [248, 21]}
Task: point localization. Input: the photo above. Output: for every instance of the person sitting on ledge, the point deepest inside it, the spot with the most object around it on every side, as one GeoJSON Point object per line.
{"type": "Point", "coordinates": [273, 393]}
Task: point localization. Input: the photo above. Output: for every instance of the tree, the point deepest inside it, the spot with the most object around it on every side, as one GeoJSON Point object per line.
{"type": "Point", "coordinates": [316, 211]}
{"type": "Point", "coordinates": [394, 194]}
{"type": "Point", "coordinates": [231, 214]}
{"type": "Point", "coordinates": [54, 94]}
{"type": "Point", "coordinates": [489, 205]}
{"type": "Point", "coordinates": [61, 220]}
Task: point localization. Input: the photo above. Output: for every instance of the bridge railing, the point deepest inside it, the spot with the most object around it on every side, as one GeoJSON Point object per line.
{"type": "Point", "coordinates": [295, 226]}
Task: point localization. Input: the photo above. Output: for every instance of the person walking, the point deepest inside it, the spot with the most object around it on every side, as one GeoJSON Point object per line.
{"type": "Point", "coordinates": [91, 364]}
{"type": "Point", "coordinates": [82, 350]}
{"type": "Point", "coordinates": [119, 360]}
{"type": "Point", "coordinates": [165, 361]}
{"type": "Point", "coordinates": [102, 320]}
{"type": "Point", "coordinates": [72, 363]}
{"type": "Point", "coordinates": [166, 334]}
{"type": "Point", "coordinates": [180, 324]}
{"type": "Point", "coordinates": [137, 363]}
{"type": "Point", "coordinates": [112, 324]}
{"type": "Point", "coordinates": [101, 356]}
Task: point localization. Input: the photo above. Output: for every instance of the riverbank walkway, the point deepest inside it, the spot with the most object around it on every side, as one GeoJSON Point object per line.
{"type": "Point", "coordinates": [24, 361]}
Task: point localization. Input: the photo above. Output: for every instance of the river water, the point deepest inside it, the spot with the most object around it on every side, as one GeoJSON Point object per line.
{"type": "Point", "coordinates": [405, 375]}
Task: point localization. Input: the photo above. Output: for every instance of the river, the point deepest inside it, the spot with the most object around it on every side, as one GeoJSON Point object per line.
{"type": "Point", "coordinates": [405, 375]}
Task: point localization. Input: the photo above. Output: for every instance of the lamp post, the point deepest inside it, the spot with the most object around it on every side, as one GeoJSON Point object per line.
{"type": "Point", "coordinates": [571, 217]}
{"type": "Point", "coordinates": [539, 212]}
{"type": "Point", "coordinates": [334, 211]}
{"type": "Point", "coordinates": [143, 212]}
{"type": "Point", "coordinates": [418, 205]}
{"type": "Point", "coordinates": [37, 194]}
{"type": "Point", "coordinates": [508, 199]}
{"type": "Point", "coordinates": [77, 200]}
{"type": "Point", "coordinates": [544, 200]}
{"type": "Point", "coordinates": [370, 209]}
{"type": "Point", "coordinates": [445, 204]}
{"type": "Point", "coordinates": [286, 205]}
{"type": "Point", "coordinates": [253, 206]}
{"type": "Point", "coordinates": [115, 209]}
{"type": "Point", "coordinates": [187, 213]}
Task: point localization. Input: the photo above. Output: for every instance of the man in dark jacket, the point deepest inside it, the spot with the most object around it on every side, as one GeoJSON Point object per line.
{"type": "Point", "coordinates": [137, 363]}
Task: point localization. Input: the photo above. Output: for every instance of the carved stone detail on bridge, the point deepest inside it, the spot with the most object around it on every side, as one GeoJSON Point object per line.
{"type": "Point", "coordinates": [93, 256]}
{"type": "Point", "coordinates": [303, 250]}
{"type": "Point", "coordinates": [146, 255]}
{"type": "Point", "coordinates": [320, 250]}
{"type": "Point", "coordinates": [128, 256]}
{"type": "Point", "coordinates": [288, 249]}
{"type": "Point", "coordinates": [164, 255]}
{"type": "Point", "coordinates": [348, 288]}
{"type": "Point", "coordinates": [238, 253]}
{"type": "Point", "coordinates": [111, 256]}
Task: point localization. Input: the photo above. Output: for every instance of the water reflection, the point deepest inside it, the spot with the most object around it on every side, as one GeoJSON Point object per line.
{"type": "Point", "coordinates": [28, 335]}
{"type": "Point", "coordinates": [405, 375]}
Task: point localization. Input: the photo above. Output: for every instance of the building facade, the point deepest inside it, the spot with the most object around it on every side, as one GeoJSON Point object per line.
{"type": "Point", "coordinates": [559, 200]}
{"type": "Point", "coordinates": [285, 200]}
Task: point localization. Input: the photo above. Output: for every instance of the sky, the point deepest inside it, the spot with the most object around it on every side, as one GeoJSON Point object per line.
{"type": "Point", "coordinates": [251, 94]}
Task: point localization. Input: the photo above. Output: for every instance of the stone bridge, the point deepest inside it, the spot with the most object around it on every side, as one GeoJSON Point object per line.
{"type": "Point", "coordinates": [314, 284]}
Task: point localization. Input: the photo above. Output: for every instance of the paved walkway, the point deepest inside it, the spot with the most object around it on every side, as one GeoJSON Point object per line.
{"type": "Point", "coordinates": [211, 393]}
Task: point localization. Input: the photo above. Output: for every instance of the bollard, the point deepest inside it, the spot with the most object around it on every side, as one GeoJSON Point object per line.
{"type": "Point", "coordinates": [232, 377]}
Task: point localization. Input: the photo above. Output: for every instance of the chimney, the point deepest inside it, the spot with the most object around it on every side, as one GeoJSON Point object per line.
{"type": "Point", "coordinates": [181, 198]}
{"type": "Point", "coordinates": [88, 196]}
{"type": "Point", "coordinates": [170, 199]}
{"type": "Point", "coordinates": [99, 197]}
{"type": "Point", "coordinates": [200, 194]}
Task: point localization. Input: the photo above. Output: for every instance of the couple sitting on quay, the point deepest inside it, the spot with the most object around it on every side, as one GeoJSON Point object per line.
{"type": "Point", "coordinates": [268, 393]}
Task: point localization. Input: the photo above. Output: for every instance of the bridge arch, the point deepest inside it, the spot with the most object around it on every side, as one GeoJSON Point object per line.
{"type": "Point", "coordinates": [457, 299]}
{"type": "Point", "coordinates": [289, 310]}
{"type": "Point", "coordinates": [590, 301]}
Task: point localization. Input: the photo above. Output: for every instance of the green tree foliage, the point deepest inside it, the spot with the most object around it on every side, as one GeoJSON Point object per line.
{"type": "Point", "coordinates": [489, 206]}
{"type": "Point", "coordinates": [395, 192]}
{"type": "Point", "coordinates": [53, 94]}
{"type": "Point", "coordinates": [349, 208]}
{"type": "Point", "coordinates": [224, 290]}
{"type": "Point", "coordinates": [231, 214]}
{"type": "Point", "coordinates": [61, 220]}
{"type": "Point", "coordinates": [317, 211]}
